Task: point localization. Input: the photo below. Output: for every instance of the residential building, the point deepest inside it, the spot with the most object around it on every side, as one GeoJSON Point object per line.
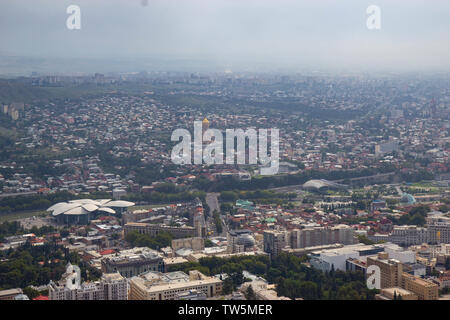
{"type": "Point", "coordinates": [169, 286]}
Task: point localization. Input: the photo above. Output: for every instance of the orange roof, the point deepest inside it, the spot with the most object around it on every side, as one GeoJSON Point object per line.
{"type": "Point", "coordinates": [109, 251]}
{"type": "Point", "coordinates": [41, 298]}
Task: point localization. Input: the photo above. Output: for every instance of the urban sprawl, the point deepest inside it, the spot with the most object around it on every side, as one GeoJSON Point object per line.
{"type": "Point", "coordinates": [93, 208]}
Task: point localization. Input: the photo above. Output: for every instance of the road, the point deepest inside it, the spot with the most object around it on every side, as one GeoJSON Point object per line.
{"type": "Point", "coordinates": [213, 203]}
{"type": "Point", "coordinates": [29, 193]}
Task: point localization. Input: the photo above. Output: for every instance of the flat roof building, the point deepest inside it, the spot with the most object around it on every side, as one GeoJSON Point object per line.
{"type": "Point", "coordinates": [169, 286]}
{"type": "Point", "coordinates": [133, 262]}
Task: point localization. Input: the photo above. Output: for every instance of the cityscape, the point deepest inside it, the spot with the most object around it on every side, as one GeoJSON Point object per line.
{"type": "Point", "coordinates": [94, 207]}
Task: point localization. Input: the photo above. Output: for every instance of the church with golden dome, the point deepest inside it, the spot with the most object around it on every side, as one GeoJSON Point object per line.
{"type": "Point", "coordinates": [205, 125]}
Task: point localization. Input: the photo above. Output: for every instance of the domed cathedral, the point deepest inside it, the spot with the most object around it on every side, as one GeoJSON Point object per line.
{"type": "Point", "coordinates": [205, 125]}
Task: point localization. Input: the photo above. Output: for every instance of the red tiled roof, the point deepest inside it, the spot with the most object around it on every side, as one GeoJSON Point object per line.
{"type": "Point", "coordinates": [109, 251]}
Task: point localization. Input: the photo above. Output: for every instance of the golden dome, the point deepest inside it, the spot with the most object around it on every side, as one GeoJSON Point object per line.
{"type": "Point", "coordinates": [205, 120]}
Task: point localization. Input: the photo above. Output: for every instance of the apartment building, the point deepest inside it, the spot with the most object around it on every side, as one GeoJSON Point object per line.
{"type": "Point", "coordinates": [153, 229]}
{"type": "Point", "coordinates": [318, 236]}
{"type": "Point", "coordinates": [424, 289]}
{"type": "Point", "coordinates": [390, 270]}
{"type": "Point", "coordinates": [168, 286]}
{"type": "Point", "coordinates": [392, 275]}
{"type": "Point", "coordinates": [274, 242]}
{"type": "Point", "coordinates": [109, 287]}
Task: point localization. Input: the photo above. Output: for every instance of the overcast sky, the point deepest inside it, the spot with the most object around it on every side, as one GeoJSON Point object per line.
{"type": "Point", "coordinates": [414, 35]}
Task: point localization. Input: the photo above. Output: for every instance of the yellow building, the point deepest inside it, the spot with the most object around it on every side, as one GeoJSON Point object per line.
{"type": "Point", "coordinates": [167, 286]}
{"type": "Point", "coordinates": [390, 270]}
{"type": "Point", "coordinates": [392, 275]}
{"type": "Point", "coordinates": [425, 290]}
{"type": "Point", "coordinates": [390, 293]}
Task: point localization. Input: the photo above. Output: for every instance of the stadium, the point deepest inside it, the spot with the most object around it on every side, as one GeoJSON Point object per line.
{"type": "Point", "coordinates": [323, 185]}
{"type": "Point", "coordinates": [82, 211]}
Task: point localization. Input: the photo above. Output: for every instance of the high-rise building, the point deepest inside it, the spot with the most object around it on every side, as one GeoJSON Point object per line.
{"type": "Point", "coordinates": [115, 287]}
{"type": "Point", "coordinates": [390, 270]}
{"type": "Point", "coordinates": [274, 242]}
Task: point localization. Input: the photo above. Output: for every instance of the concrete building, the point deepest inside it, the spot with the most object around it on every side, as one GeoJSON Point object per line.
{"type": "Point", "coordinates": [263, 290]}
{"type": "Point", "coordinates": [196, 244]}
{"type": "Point", "coordinates": [396, 293]}
{"type": "Point", "coordinates": [404, 236]}
{"type": "Point", "coordinates": [133, 262]}
{"type": "Point", "coordinates": [240, 241]}
{"type": "Point", "coordinates": [390, 270]}
{"type": "Point", "coordinates": [109, 287]}
{"type": "Point", "coordinates": [337, 258]}
{"type": "Point", "coordinates": [439, 229]}
{"type": "Point", "coordinates": [398, 253]}
{"type": "Point", "coordinates": [10, 294]}
{"type": "Point", "coordinates": [169, 286]}
{"type": "Point", "coordinates": [392, 275]}
{"type": "Point", "coordinates": [424, 289]}
{"type": "Point", "coordinates": [409, 235]}
{"type": "Point", "coordinates": [318, 236]}
{"type": "Point", "coordinates": [191, 295]}
{"type": "Point", "coordinates": [115, 287]}
{"type": "Point", "coordinates": [154, 229]}
{"type": "Point", "coordinates": [353, 265]}
{"type": "Point", "coordinates": [274, 242]}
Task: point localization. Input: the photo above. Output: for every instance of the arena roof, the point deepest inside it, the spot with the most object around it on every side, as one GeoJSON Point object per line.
{"type": "Point", "coordinates": [84, 206]}
{"type": "Point", "coordinates": [319, 184]}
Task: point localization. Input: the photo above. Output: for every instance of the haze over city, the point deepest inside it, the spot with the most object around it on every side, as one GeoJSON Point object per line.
{"type": "Point", "coordinates": [252, 155]}
{"type": "Point", "coordinates": [216, 35]}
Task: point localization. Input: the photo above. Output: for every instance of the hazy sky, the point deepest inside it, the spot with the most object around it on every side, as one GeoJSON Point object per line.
{"type": "Point", "coordinates": [414, 35]}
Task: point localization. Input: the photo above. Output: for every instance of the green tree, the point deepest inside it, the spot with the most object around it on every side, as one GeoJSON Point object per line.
{"type": "Point", "coordinates": [250, 294]}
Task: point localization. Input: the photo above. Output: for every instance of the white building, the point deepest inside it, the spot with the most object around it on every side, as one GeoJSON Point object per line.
{"type": "Point", "coordinates": [110, 287]}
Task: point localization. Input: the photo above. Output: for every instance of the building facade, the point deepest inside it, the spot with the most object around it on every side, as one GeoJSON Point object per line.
{"type": "Point", "coordinates": [130, 263]}
{"type": "Point", "coordinates": [153, 229]}
{"type": "Point", "coordinates": [170, 286]}
{"type": "Point", "coordinates": [109, 287]}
